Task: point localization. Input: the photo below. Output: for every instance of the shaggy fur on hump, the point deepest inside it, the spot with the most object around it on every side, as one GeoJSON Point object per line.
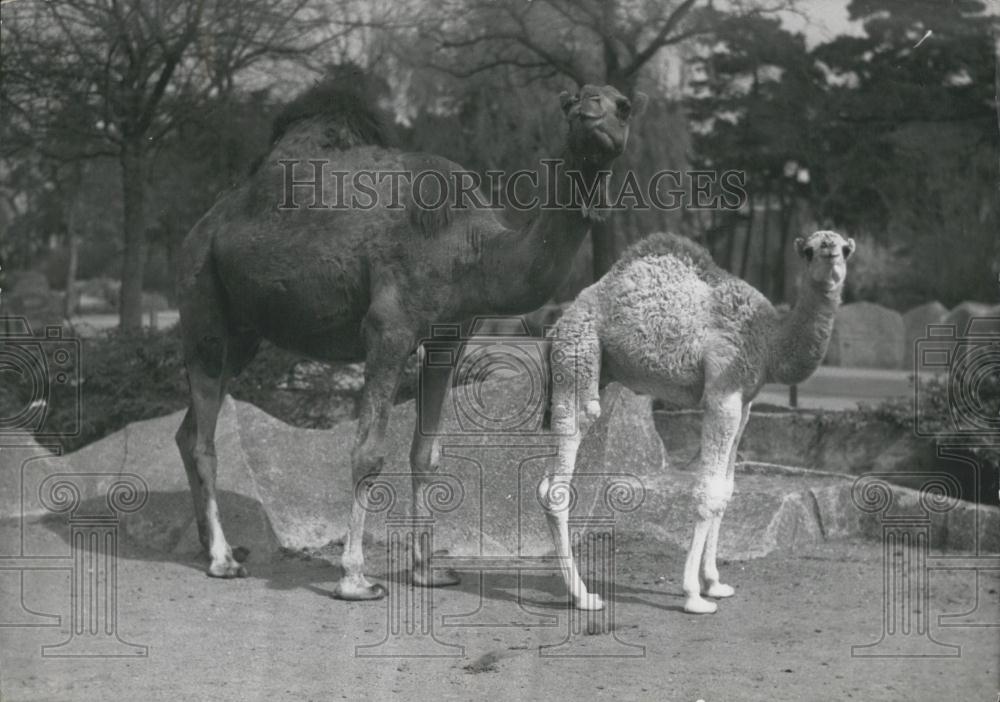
{"type": "Point", "coordinates": [339, 102]}
{"type": "Point", "coordinates": [669, 244]}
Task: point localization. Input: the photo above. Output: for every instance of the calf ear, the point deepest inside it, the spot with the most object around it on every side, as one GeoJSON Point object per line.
{"type": "Point", "coordinates": [566, 101]}
{"type": "Point", "coordinates": [848, 249]}
{"type": "Point", "coordinates": [803, 250]}
{"type": "Point", "coordinates": [639, 103]}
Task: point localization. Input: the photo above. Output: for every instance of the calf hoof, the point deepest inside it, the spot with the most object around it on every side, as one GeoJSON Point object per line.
{"type": "Point", "coordinates": [227, 569]}
{"type": "Point", "coordinates": [699, 605]}
{"type": "Point", "coordinates": [435, 577]}
{"type": "Point", "coordinates": [591, 602]}
{"type": "Point", "coordinates": [720, 590]}
{"type": "Point", "coordinates": [355, 591]}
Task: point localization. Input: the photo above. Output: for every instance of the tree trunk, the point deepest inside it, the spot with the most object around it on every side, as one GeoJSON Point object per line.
{"type": "Point", "coordinates": [745, 261]}
{"type": "Point", "coordinates": [133, 162]}
{"type": "Point", "coordinates": [733, 226]}
{"type": "Point", "coordinates": [766, 283]}
{"type": "Point", "coordinates": [69, 300]}
{"type": "Point", "coordinates": [73, 242]}
{"type": "Point", "coordinates": [786, 215]}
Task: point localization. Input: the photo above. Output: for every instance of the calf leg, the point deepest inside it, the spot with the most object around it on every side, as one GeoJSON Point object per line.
{"type": "Point", "coordinates": [720, 428]}
{"type": "Point", "coordinates": [711, 585]}
{"type": "Point", "coordinates": [575, 406]}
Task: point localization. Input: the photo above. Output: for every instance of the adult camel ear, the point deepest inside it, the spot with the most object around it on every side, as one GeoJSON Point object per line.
{"type": "Point", "coordinates": [567, 100]}
{"type": "Point", "coordinates": [639, 103]}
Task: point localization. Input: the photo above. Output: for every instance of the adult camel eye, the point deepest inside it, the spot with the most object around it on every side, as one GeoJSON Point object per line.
{"type": "Point", "coordinates": [624, 108]}
{"type": "Point", "coordinates": [808, 253]}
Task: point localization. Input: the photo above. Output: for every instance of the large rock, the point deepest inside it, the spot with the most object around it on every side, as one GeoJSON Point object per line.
{"type": "Point", "coordinates": [987, 319]}
{"type": "Point", "coordinates": [916, 322]}
{"type": "Point", "coordinates": [866, 335]}
{"type": "Point", "coordinates": [534, 324]}
{"type": "Point", "coordinates": [767, 512]}
{"type": "Point", "coordinates": [282, 486]}
{"type": "Point", "coordinates": [818, 440]}
{"type": "Point", "coordinates": [21, 460]}
{"type": "Point", "coordinates": [969, 327]}
{"type": "Point", "coordinates": [833, 442]}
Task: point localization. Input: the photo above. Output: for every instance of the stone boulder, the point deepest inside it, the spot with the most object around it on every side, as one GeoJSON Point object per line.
{"type": "Point", "coordinates": [975, 319]}
{"type": "Point", "coordinates": [965, 328]}
{"type": "Point", "coordinates": [533, 324]}
{"type": "Point", "coordinates": [866, 335]}
{"type": "Point", "coordinates": [280, 486]}
{"type": "Point", "coordinates": [834, 443]}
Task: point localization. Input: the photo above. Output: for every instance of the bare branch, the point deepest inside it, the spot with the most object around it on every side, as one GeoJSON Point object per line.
{"type": "Point", "coordinates": [662, 37]}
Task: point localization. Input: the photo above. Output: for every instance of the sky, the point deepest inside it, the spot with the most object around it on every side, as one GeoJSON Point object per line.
{"type": "Point", "coordinates": [821, 20]}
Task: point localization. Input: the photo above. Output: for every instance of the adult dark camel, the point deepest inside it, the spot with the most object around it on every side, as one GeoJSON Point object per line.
{"type": "Point", "coordinates": [346, 284]}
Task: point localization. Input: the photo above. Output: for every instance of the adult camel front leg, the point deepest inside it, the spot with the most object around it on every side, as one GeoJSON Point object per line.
{"type": "Point", "coordinates": [387, 344]}
{"type": "Point", "coordinates": [435, 382]}
{"type": "Point", "coordinates": [711, 585]}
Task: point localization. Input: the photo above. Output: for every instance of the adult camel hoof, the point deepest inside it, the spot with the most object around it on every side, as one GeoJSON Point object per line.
{"type": "Point", "coordinates": [436, 577]}
{"type": "Point", "coordinates": [699, 605]}
{"type": "Point", "coordinates": [720, 590]}
{"type": "Point", "coordinates": [591, 602]}
{"type": "Point", "coordinates": [241, 553]}
{"type": "Point", "coordinates": [354, 591]}
{"type": "Point", "coordinates": [227, 569]}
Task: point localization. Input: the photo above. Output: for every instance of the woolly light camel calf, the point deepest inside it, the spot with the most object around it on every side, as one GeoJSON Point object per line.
{"type": "Point", "coordinates": [364, 283]}
{"type": "Point", "coordinates": [666, 321]}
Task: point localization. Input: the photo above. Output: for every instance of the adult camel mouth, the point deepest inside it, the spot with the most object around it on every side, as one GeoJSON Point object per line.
{"type": "Point", "coordinates": [602, 135]}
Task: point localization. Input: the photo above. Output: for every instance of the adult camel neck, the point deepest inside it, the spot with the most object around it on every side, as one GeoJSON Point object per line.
{"type": "Point", "coordinates": [539, 255]}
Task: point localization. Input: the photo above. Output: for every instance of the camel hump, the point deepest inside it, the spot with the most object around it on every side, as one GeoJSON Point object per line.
{"type": "Point", "coordinates": [668, 244]}
{"type": "Point", "coordinates": [344, 110]}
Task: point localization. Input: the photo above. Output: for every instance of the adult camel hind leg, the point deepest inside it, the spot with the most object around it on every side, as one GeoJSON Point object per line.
{"type": "Point", "coordinates": [435, 382]}
{"type": "Point", "coordinates": [389, 340]}
{"type": "Point", "coordinates": [195, 438]}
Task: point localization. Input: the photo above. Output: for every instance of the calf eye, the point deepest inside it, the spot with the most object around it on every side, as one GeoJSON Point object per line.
{"type": "Point", "coordinates": [624, 108]}
{"type": "Point", "coordinates": [808, 253]}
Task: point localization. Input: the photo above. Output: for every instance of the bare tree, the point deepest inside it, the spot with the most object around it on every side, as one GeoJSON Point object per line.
{"type": "Point", "coordinates": [128, 73]}
{"type": "Point", "coordinates": [586, 41]}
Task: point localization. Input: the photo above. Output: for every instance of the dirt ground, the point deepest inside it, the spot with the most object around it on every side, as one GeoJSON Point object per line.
{"type": "Point", "coordinates": [277, 635]}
